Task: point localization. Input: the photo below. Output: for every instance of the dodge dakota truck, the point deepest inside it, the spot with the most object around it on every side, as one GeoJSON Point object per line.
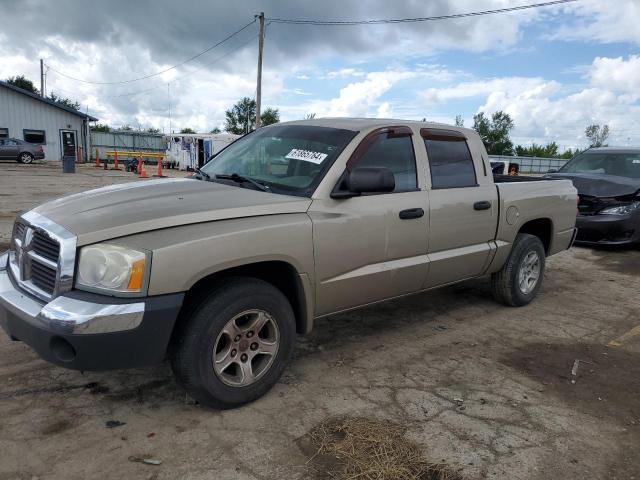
{"type": "Point", "coordinates": [295, 221]}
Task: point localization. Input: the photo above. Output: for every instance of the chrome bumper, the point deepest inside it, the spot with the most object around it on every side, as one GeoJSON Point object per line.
{"type": "Point", "coordinates": [65, 315]}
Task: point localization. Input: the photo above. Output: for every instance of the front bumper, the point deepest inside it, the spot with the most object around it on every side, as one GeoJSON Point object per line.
{"type": "Point", "coordinates": [86, 331]}
{"type": "Point", "coordinates": [608, 229]}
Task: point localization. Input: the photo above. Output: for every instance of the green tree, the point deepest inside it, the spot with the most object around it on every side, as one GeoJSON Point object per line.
{"type": "Point", "coordinates": [152, 130]}
{"type": "Point", "coordinates": [101, 127]}
{"type": "Point", "coordinates": [494, 132]}
{"type": "Point", "coordinates": [568, 154]}
{"type": "Point", "coordinates": [550, 150]}
{"type": "Point", "coordinates": [126, 128]}
{"type": "Point", "coordinates": [597, 136]}
{"type": "Point", "coordinates": [241, 118]}
{"type": "Point", "coordinates": [459, 121]}
{"type": "Point", "coordinates": [23, 82]}
{"type": "Point", "coordinates": [215, 130]}
{"type": "Point", "coordinates": [270, 116]}
{"type": "Point", "coordinates": [188, 130]}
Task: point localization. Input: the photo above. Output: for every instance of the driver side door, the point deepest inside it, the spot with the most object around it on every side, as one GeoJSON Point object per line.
{"type": "Point", "coordinates": [374, 246]}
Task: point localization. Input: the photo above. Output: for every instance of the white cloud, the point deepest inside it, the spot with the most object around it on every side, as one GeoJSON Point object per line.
{"type": "Point", "coordinates": [544, 110]}
{"type": "Point", "coordinates": [602, 22]}
{"type": "Point", "coordinates": [617, 74]}
{"type": "Point", "coordinates": [384, 110]}
{"type": "Point", "coordinates": [344, 73]}
{"type": "Point", "coordinates": [360, 99]}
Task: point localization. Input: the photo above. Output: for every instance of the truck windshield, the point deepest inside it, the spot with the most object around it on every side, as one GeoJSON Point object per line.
{"type": "Point", "coordinates": [289, 159]}
{"type": "Point", "coordinates": [605, 163]}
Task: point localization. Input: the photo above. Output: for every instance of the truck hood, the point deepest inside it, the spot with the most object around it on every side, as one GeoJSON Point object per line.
{"type": "Point", "coordinates": [599, 185]}
{"type": "Point", "coordinates": [130, 208]}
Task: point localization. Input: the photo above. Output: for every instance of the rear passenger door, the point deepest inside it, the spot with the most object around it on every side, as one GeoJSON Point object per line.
{"type": "Point", "coordinates": [463, 204]}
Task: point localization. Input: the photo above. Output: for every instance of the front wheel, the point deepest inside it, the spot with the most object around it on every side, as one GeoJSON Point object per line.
{"type": "Point", "coordinates": [519, 280]}
{"type": "Point", "coordinates": [233, 345]}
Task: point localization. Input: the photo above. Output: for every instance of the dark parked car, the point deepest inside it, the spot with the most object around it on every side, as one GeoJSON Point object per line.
{"type": "Point", "coordinates": [608, 183]}
{"type": "Point", "coordinates": [19, 150]}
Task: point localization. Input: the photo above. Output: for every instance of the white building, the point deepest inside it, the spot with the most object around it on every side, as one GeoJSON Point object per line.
{"type": "Point", "coordinates": [27, 116]}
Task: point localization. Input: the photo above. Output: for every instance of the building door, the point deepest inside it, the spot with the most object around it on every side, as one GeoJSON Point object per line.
{"type": "Point", "coordinates": [201, 160]}
{"type": "Point", "coordinates": [68, 143]}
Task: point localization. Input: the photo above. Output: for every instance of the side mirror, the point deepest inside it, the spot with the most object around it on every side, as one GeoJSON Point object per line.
{"type": "Point", "coordinates": [552, 170]}
{"type": "Point", "coordinates": [364, 180]}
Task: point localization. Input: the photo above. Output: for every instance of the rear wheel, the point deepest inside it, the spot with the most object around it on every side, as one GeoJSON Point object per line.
{"type": "Point", "coordinates": [234, 344]}
{"type": "Point", "coordinates": [25, 157]}
{"type": "Point", "coordinates": [519, 280]}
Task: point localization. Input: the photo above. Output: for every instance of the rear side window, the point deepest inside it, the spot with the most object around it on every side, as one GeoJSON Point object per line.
{"type": "Point", "coordinates": [395, 153]}
{"type": "Point", "coordinates": [450, 160]}
{"type": "Point", "coordinates": [4, 132]}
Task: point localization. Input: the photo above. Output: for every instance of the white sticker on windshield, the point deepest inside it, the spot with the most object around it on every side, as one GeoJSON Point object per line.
{"type": "Point", "coordinates": [306, 155]}
{"type": "Point", "coordinates": [636, 161]}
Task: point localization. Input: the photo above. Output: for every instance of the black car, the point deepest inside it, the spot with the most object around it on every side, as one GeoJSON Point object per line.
{"type": "Point", "coordinates": [608, 183]}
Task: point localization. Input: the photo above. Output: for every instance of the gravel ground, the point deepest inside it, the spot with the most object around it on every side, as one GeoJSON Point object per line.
{"type": "Point", "coordinates": [485, 388]}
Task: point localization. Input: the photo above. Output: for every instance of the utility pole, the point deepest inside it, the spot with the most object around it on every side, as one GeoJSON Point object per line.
{"type": "Point", "coordinates": [169, 97]}
{"type": "Point", "coordinates": [259, 87]}
{"type": "Point", "coordinates": [41, 78]}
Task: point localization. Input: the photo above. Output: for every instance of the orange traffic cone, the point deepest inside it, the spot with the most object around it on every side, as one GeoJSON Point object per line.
{"type": "Point", "coordinates": [115, 161]}
{"type": "Point", "coordinates": [159, 174]}
{"type": "Point", "coordinates": [141, 171]}
{"type": "Point", "coordinates": [97, 165]}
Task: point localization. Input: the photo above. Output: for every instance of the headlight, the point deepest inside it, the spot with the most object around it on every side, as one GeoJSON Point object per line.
{"type": "Point", "coordinates": [621, 209]}
{"type": "Point", "coordinates": [112, 268]}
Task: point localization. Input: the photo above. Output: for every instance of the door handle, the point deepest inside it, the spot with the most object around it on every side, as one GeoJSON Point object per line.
{"type": "Point", "coordinates": [484, 205]}
{"type": "Point", "coordinates": [411, 213]}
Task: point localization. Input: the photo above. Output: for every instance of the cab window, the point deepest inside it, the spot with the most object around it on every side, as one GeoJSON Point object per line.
{"type": "Point", "coordinates": [450, 160]}
{"type": "Point", "coordinates": [395, 152]}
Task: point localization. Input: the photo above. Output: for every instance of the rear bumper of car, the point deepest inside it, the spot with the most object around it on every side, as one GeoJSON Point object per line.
{"type": "Point", "coordinates": [38, 155]}
{"type": "Point", "coordinates": [85, 331]}
{"type": "Point", "coordinates": [608, 229]}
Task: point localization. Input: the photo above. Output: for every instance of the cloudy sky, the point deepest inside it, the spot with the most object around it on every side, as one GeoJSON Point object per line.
{"type": "Point", "coordinates": [554, 69]}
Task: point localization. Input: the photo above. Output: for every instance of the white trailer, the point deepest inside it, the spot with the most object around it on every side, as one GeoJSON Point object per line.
{"type": "Point", "coordinates": [191, 151]}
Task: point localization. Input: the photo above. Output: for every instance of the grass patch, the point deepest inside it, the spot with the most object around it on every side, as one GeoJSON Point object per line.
{"type": "Point", "coordinates": [355, 448]}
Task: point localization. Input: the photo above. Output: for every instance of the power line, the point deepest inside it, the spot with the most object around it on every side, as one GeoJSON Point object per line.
{"type": "Point", "coordinates": [418, 19]}
{"type": "Point", "coordinates": [228, 37]}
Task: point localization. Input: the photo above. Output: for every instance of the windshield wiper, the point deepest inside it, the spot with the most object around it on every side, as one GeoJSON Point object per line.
{"type": "Point", "coordinates": [240, 179]}
{"type": "Point", "coordinates": [203, 174]}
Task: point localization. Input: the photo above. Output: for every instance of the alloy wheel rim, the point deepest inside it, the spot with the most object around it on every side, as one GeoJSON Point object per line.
{"type": "Point", "coordinates": [529, 273]}
{"type": "Point", "coordinates": [26, 158]}
{"type": "Point", "coordinates": [246, 348]}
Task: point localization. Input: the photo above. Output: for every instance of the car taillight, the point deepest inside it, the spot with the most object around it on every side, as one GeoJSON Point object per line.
{"type": "Point", "coordinates": [40, 149]}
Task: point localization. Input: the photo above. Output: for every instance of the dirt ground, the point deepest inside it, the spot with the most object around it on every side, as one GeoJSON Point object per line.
{"type": "Point", "coordinates": [484, 388]}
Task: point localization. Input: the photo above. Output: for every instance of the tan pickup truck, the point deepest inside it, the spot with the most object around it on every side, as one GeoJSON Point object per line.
{"type": "Point", "coordinates": [290, 223]}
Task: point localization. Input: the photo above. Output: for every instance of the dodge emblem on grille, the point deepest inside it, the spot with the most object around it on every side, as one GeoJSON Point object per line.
{"type": "Point", "coordinates": [22, 251]}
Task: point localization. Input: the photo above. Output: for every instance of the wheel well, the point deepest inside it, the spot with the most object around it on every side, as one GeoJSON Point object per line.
{"type": "Point", "coordinates": [281, 275]}
{"type": "Point", "coordinates": [541, 228]}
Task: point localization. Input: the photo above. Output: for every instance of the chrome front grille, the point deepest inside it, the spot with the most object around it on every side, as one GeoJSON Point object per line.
{"type": "Point", "coordinates": [45, 246]}
{"type": "Point", "coordinates": [43, 277]}
{"type": "Point", "coordinates": [42, 256]}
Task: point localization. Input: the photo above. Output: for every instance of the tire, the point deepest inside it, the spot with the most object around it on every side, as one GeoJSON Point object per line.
{"type": "Point", "coordinates": [25, 157]}
{"type": "Point", "coordinates": [204, 331]}
{"type": "Point", "coordinates": [527, 256]}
